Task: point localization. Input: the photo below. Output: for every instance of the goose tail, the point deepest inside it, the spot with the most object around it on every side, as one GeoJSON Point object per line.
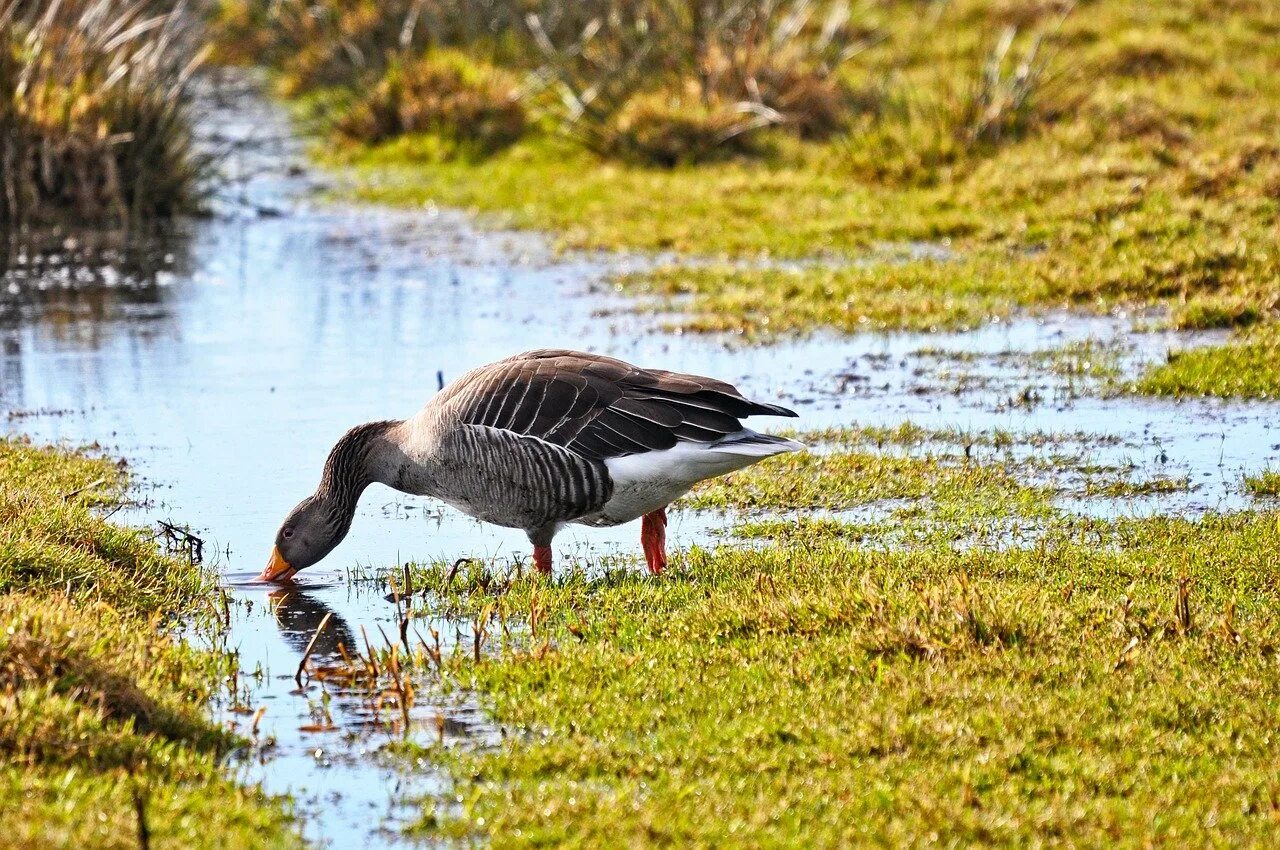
{"type": "Point", "coordinates": [750, 443]}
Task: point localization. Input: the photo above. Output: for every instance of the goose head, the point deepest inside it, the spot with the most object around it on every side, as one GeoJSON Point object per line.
{"type": "Point", "coordinates": [318, 524]}
{"type": "Point", "coordinates": [311, 531]}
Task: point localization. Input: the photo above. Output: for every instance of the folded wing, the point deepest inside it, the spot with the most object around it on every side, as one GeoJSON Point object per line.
{"type": "Point", "coordinates": [599, 407]}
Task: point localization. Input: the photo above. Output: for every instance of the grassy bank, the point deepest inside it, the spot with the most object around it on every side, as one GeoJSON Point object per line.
{"type": "Point", "coordinates": [102, 727]}
{"type": "Point", "coordinates": [1114, 156]}
{"type": "Point", "coordinates": [1110, 685]}
{"type": "Point", "coordinates": [1142, 174]}
{"type": "Point", "coordinates": [978, 667]}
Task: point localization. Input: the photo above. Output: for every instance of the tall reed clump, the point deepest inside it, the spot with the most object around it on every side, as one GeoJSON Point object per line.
{"type": "Point", "coordinates": [660, 81]}
{"type": "Point", "coordinates": [94, 112]}
{"type": "Point", "coordinates": [666, 81]}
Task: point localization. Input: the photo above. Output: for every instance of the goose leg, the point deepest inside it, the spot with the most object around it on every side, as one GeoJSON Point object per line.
{"type": "Point", "coordinates": [653, 537]}
{"type": "Point", "coordinates": [541, 539]}
{"type": "Point", "coordinates": [542, 559]}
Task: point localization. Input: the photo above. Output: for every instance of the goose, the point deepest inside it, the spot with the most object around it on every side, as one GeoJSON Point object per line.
{"type": "Point", "coordinates": [536, 441]}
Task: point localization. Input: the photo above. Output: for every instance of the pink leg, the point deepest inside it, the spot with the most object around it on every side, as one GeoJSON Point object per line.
{"type": "Point", "coordinates": [542, 559]}
{"type": "Point", "coordinates": [653, 537]}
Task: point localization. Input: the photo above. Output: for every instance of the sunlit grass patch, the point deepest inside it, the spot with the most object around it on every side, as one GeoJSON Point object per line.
{"type": "Point", "coordinates": [911, 434]}
{"type": "Point", "coordinates": [1264, 483]}
{"type": "Point", "coordinates": [944, 478]}
{"type": "Point", "coordinates": [845, 478]}
{"type": "Point", "coordinates": [101, 705]}
{"type": "Point", "coordinates": [1126, 487]}
{"type": "Point", "coordinates": [923, 294]}
{"type": "Point", "coordinates": [833, 694]}
{"type": "Point", "coordinates": [1248, 366]}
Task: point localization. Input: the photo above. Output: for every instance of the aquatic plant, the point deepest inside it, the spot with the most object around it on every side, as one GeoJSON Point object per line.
{"type": "Point", "coordinates": [94, 112]}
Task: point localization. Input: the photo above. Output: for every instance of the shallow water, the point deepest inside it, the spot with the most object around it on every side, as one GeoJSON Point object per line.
{"type": "Point", "coordinates": [225, 359]}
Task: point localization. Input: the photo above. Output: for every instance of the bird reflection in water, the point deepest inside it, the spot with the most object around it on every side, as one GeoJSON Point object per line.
{"type": "Point", "coordinates": [299, 614]}
{"type": "Point", "coordinates": [357, 701]}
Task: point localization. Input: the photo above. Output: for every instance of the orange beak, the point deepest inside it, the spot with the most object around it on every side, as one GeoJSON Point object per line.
{"type": "Point", "coordinates": [277, 568]}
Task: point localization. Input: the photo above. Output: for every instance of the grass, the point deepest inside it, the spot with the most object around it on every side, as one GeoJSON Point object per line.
{"type": "Point", "coordinates": [94, 113]}
{"type": "Point", "coordinates": [1247, 367]}
{"type": "Point", "coordinates": [1264, 483]}
{"type": "Point", "coordinates": [1110, 685]}
{"type": "Point", "coordinates": [101, 706]}
{"type": "Point", "coordinates": [849, 478]}
{"type": "Point", "coordinates": [1138, 169]}
{"type": "Point", "coordinates": [946, 477]}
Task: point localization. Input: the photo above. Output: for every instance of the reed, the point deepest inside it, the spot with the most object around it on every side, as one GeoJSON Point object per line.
{"type": "Point", "coordinates": [95, 121]}
{"type": "Point", "coordinates": [660, 81]}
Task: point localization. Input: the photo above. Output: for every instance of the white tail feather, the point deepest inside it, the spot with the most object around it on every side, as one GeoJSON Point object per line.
{"type": "Point", "coordinates": [750, 443]}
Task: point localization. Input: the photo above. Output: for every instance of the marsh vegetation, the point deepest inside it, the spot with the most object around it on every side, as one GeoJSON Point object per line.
{"type": "Point", "coordinates": [94, 113]}
{"type": "Point", "coordinates": [1003, 600]}
{"type": "Point", "coordinates": [1091, 156]}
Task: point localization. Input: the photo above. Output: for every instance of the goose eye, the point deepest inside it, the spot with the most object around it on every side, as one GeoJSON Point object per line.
{"type": "Point", "coordinates": [287, 534]}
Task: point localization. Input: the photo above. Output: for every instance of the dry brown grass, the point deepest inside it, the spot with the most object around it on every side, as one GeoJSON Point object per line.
{"type": "Point", "coordinates": [444, 93]}
{"type": "Point", "coordinates": [94, 120]}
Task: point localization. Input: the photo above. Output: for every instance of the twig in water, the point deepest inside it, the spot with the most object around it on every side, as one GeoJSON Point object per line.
{"type": "Point", "coordinates": [179, 540]}
{"type": "Point", "coordinates": [257, 718]}
{"type": "Point", "coordinates": [373, 661]}
{"type": "Point", "coordinates": [453, 571]}
{"type": "Point", "coordinates": [297, 677]}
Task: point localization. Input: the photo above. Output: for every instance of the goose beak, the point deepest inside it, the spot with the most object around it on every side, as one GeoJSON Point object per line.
{"type": "Point", "coordinates": [277, 568]}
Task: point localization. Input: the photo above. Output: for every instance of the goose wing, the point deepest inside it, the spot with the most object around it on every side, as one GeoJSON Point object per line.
{"type": "Point", "coordinates": [600, 407]}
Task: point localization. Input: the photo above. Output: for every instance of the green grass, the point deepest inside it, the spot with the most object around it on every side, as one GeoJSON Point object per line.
{"type": "Point", "coordinates": [1122, 488]}
{"type": "Point", "coordinates": [1246, 367]}
{"type": "Point", "coordinates": [922, 295]}
{"type": "Point", "coordinates": [1145, 175]}
{"type": "Point", "coordinates": [100, 704]}
{"type": "Point", "coordinates": [937, 478]}
{"type": "Point", "coordinates": [1064, 694]}
{"type": "Point", "coordinates": [846, 478]}
{"type": "Point", "coordinates": [1264, 483]}
{"type": "Point", "coordinates": [1133, 187]}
